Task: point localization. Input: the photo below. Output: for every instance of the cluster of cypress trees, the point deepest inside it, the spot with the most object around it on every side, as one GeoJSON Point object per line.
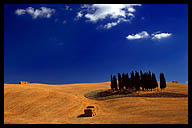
{"type": "Point", "coordinates": [146, 81]}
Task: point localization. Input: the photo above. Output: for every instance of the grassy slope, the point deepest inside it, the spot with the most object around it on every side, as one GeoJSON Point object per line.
{"type": "Point", "coordinates": [40, 103]}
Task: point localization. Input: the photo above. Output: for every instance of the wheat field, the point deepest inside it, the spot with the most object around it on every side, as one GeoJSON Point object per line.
{"type": "Point", "coordinates": [62, 104]}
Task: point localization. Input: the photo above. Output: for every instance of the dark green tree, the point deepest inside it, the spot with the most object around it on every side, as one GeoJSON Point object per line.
{"type": "Point", "coordinates": [112, 82]}
{"type": "Point", "coordinates": [120, 81]}
{"type": "Point", "coordinates": [154, 81]}
{"type": "Point", "coordinates": [162, 81]}
{"type": "Point", "coordinates": [132, 85]}
{"type": "Point", "coordinates": [127, 81]}
{"type": "Point", "coordinates": [145, 81]}
{"type": "Point", "coordinates": [150, 83]}
{"type": "Point", "coordinates": [141, 80]}
{"type": "Point", "coordinates": [137, 81]}
{"type": "Point", "coordinates": [123, 81]}
{"type": "Point", "coordinates": [115, 82]}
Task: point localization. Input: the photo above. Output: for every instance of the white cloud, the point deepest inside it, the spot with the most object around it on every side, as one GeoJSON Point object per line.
{"type": "Point", "coordinates": [43, 12]}
{"type": "Point", "coordinates": [140, 35]}
{"type": "Point", "coordinates": [79, 14]}
{"type": "Point", "coordinates": [109, 25]}
{"type": "Point", "coordinates": [131, 15]}
{"type": "Point", "coordinates": [98, 12]}
{"type": "Point", "coordinates": [131, 9]}
{"type": "Point", "coordinates": [186, 82]}
{"type": "Point", "coordinates": [112, 10]}
{"type": "Point", "coordinates": [158, 35]}
{"type": "Point", "coordinates": [20, 12]}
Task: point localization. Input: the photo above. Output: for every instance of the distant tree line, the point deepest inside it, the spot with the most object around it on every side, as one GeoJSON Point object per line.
{"type": "Point", "coordinates": [137, 81]}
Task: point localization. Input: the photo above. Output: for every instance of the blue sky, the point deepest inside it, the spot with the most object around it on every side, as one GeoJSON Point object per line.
{"type": "Point", "coordinates": [77, 43]}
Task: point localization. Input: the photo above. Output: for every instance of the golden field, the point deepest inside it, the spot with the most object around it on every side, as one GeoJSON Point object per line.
{"type": "Point", "coordinates": [63, 104]}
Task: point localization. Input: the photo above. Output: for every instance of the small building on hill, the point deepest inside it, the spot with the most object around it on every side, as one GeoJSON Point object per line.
{"type": "Point", "coordinates": [175, 81]}
{"type": "Point", "coordinates": [23, 82]}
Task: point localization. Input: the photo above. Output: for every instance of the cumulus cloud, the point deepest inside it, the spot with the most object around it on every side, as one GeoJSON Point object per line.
{"type": "Point", "coordinates": [131, 9]}
{"type": "Point", "coordinates": [109, 25]}
{"type": "Point", "coordinates": [160, 35]}
{"type": "Point", "coordinates": [43, 12]}
{"type": "Point", "coordinates": [140, 35]}
{"type": "Point", "coordinates": [117, 12]}
{"type": "Point", "coordinates": [156, 35]}
{"type": "Point", "coordinates": [131, 15]}
{"type": "Point", "coordinates": [20, 11]}
{"type": "Point", "coordinates": [112, 10]}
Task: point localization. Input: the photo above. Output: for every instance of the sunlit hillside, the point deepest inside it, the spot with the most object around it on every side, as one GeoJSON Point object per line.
{"type": "Point", "coordinates": [63, 104]}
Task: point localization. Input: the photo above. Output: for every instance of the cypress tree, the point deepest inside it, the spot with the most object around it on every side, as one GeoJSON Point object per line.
{"type": "Point", "coordinates": [154, 81]}
{"type": "Point", "coordinates": [111, 82]}
{"type": "Point", "coordinates": [137, 80]}
{"type": "Point", "coordinates": [127, 81]}
{"type": "Point", "coordinates": [123, 81]}
{"type": "Point", "coordinates": [132, 80]}
{"type": "Point", "coordinates": [150, 81]}
{"type": "Point", "coordinates": [115, 82]}
{"type": "Point", "coordinates": [162, 81]}
{"type": "Point", "coordinates": [141, 80]}
{"type": "Point", "coordinates": [120, 81]}
{"type": "Point", "coordinates": [145, 81]}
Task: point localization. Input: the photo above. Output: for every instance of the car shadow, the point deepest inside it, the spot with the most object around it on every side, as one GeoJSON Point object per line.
{"type": "Point", "coordinates": [81, 115]}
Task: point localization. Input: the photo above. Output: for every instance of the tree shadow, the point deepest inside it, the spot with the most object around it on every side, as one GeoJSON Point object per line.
{"type": "Point", "coordinates": [164, 94]}
{"type": "Point", "coordinates": [106, 95]}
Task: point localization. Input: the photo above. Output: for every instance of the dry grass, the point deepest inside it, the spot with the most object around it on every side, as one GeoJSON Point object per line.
{"type": "Point", "coordinates": [62, 104]}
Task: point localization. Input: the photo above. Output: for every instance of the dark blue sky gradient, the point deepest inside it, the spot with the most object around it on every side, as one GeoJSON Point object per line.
{"type": "Point", "coordinates": [44, 51]}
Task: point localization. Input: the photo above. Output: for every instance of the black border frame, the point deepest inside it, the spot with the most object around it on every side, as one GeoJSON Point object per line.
{"type": "Point", "coordinates": [189, 125]}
